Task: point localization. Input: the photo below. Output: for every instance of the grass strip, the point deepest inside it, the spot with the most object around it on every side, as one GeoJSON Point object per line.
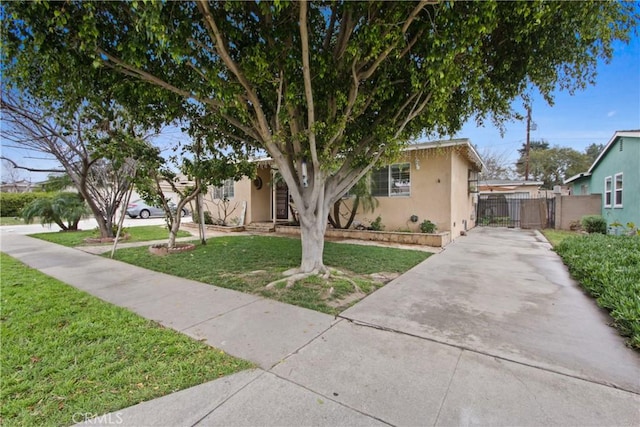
{"type": "Point", "coordinates": [65, 352]}
{"type": "Point", "coordinates": [555, 237]}
{"type": "Point", "coordinates": [608, 267]}
{"type": "Point", "coordinates": [142, 233]}
{"type": "Point", "coordinates": [248, 263]}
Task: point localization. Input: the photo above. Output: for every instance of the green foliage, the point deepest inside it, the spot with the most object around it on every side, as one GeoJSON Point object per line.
{"type": "Point", "coordinates": [594, 224]}
{"type": "Point", "coordinates": [427, 226]}
{"type": "Point", "coordinates": [555, 237]}
{"type": "Point", "coordinates": [377, 224]}
{"type": "Point", "coordinates": [247, 264]}
{"type": "Point", "coordinates": [11, 204]}
{"type": "Point", "coordinates": [207, 218]}
{"type": "Point", "coordinates": [65, 352]}
{"type": "Point", "coordinates": [552, 165]}
{"type": "Point", "coordinates": [608, 267]}
{"type": "Point", "coordinates": [59, 182]}
{"type": "Point", "coordinates": [63, 209]}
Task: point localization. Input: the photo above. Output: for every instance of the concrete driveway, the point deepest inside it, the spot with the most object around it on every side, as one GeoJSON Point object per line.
{"type": "Point", "coordinates": [505, 293]}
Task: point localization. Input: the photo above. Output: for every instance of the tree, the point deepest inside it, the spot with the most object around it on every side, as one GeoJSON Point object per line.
{"type": "Point", "coordinates": [592, 152]}
{"type": "Point", "coordinates": [63, 209]}
{"type": "Point", "coordinates": [208, 167]}
{"type": "Point", "coordinates": [327, 89]}
{"type": "Point", "coordinates": [362, 196]}
{"type": "Point", "coordinates": [553, 165]}
{"type": "Point", "coordinates": [496, 165]}
{"type": "Point", "coordinates": [88, 147]}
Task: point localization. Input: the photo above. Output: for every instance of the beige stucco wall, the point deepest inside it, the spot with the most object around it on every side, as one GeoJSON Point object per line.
{"type": "Point", "coordinates": [573, 208]}
{"type": "Point", "coordinates": [463, 209]}
{"type": "Point", "coordinates": [439, 193]}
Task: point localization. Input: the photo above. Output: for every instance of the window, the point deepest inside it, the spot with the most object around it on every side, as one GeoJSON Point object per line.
{"type": "Point", "coordinates": [618, 191]}
{"type": "Point", "coordinates": [607, 192]}
{"type": "Point", "coordinates": [391, 181]}
{"type": "Point", "coordinates": [224, 191]}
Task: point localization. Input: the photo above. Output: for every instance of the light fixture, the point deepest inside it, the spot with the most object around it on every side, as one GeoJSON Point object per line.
{"type": "Point", "coordinates": [417, 163]}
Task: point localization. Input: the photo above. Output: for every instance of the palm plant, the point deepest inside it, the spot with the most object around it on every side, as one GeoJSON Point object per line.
{"type": "Point", "coordinates": [63, 209]}
{"type": "Point", "coordinates": [362, 198]}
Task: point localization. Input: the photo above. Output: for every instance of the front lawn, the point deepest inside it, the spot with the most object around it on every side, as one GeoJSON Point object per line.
{"type": "Point", "coordinates": [249, 263]}
{"type": "Point", "coordinates": [138, 234]}
{"type": "Point", "coordinates": [608, 267]}
{"type": "Point", "coordinates": [11, 220]}
{"type": "Point", "coordinates": [65, 352]}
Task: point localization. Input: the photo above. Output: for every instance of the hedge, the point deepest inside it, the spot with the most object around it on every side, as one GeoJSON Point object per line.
{"type": "Point", "coordinates": [11, 204]}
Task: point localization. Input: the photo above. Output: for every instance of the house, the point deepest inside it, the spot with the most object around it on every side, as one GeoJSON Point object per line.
{"type": "Point", "coordinates": [615, 175]}
{"type": "Point", "coordinates": [435, 181]}
{"type": "Point", "coordinates": [22, 186]}
{"type": "Point", "coordinates": [510, 188]}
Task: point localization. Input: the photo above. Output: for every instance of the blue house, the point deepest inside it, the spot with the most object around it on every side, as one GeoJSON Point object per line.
{"type": "Point", "coordinates": [616, 176]}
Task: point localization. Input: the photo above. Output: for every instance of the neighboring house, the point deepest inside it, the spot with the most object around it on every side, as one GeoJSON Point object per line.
{"type": "Point", "coordinates": [616, 176]}
{"type": "Point", "coordinates": [434, 181]}
{"type": "Point", "coordinates": [22, 186]}
{"type": "Point", "coordinates": [510, 187]}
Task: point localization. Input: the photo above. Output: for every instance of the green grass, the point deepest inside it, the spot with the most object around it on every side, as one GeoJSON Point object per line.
{"type": "Point", "coordinates": [555, 237]}
{"type": "Point", "coordinates": [248, 263]}
{"type": "Point", "coordinates": [11, 220]}
{"type": "Point", "coordinates": [608, 267]}
{"type": "Point", "coordinates": [138, 234]}
{"type": "Point", "coordinates": [65, 352]}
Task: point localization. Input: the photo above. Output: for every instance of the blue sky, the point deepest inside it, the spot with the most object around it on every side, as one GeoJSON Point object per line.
{"type": "Point", "coordinates": [589, 116]}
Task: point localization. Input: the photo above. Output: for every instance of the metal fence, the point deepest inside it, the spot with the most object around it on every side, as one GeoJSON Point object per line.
{"type": "Point", "coordinates": [519, 210]}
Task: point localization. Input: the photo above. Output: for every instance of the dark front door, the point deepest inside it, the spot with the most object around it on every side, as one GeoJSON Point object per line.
{"type": "Point", "coordinates": [282, 200]}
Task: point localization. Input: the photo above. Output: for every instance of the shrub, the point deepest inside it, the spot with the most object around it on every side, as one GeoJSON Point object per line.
{"type": "Point", "coordinates": [427, 226]}
{"type": "Point", "coordinates": [11, 204]}
{"type": "Point", "coordinates": [377, 225]}
{"type": "Point", "coordinates": [594, 224]}
{"type": "Point", "coordinates": [207, 218]}
{"type": "Point", "coordinates": [608, 267]}
{"type": "Point", "coordinates": [64, 209]}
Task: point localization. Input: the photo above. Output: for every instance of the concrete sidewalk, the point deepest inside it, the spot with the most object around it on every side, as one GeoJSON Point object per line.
{"type": "Point", "coordinates": [489, 357]}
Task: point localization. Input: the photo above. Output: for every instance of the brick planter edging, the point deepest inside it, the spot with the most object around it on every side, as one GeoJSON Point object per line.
{"type": "Point", "coordinates": [223, 228]}
{"type": "Point", "coordinates": [162, 249]}
{"type": "Point", "coordinates": [438, 240]}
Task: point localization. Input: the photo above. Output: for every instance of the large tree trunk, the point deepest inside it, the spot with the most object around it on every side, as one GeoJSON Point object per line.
{"type": "Point", "coordinates": [312, 228]}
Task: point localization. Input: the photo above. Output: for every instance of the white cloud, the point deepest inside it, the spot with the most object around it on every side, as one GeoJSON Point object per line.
{"type": "Point", "coordinates": [611, 113]}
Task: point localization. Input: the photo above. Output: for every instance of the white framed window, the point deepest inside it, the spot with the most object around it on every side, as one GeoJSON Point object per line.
{"type": "Point", "coordinates": [608, 184]}
{"type": "Point", "coordinates": [392, 181]}
{"type": "Point", "coordinates": [617, 188]}
{"type": "Point", "coordinates": [224, 191]}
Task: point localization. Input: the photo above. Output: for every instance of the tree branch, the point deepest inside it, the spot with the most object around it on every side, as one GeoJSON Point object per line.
{"type": "Point", "coordinates": [17, 166]}
{"type": "Point", "coordinates": [221, 49]}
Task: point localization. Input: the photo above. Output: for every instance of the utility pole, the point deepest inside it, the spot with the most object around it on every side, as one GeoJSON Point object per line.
{"type": "Point", "coordinates": [526, 149]}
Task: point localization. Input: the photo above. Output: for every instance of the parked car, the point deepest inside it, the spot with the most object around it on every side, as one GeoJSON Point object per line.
{"type": "Point", "coordinates": [140, 208]}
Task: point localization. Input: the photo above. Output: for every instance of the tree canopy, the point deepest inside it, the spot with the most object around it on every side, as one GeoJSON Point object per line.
{"type": "Point", "coordinates": [329, 88]}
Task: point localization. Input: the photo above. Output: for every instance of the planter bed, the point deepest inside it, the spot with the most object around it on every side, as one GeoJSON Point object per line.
{"type": "Point", "coordinates": [223, 228]}
{"type": "Point", "coordinates": [438, 240]}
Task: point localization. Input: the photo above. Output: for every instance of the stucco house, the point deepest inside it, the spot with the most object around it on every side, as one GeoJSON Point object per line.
{"type": "Point", "coordinates": [615, 175]}
{"type": "Point", "coordinates": [435, 181]}
{"type": "Point", "coordinates": [510, 187]}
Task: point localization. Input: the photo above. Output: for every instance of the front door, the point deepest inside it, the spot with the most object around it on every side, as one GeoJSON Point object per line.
{"type": "Point", "coordinates": [282, 200]}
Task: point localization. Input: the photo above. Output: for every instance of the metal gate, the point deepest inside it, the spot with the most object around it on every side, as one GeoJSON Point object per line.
{"type": "Point", "coordinates": [519, 210]}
